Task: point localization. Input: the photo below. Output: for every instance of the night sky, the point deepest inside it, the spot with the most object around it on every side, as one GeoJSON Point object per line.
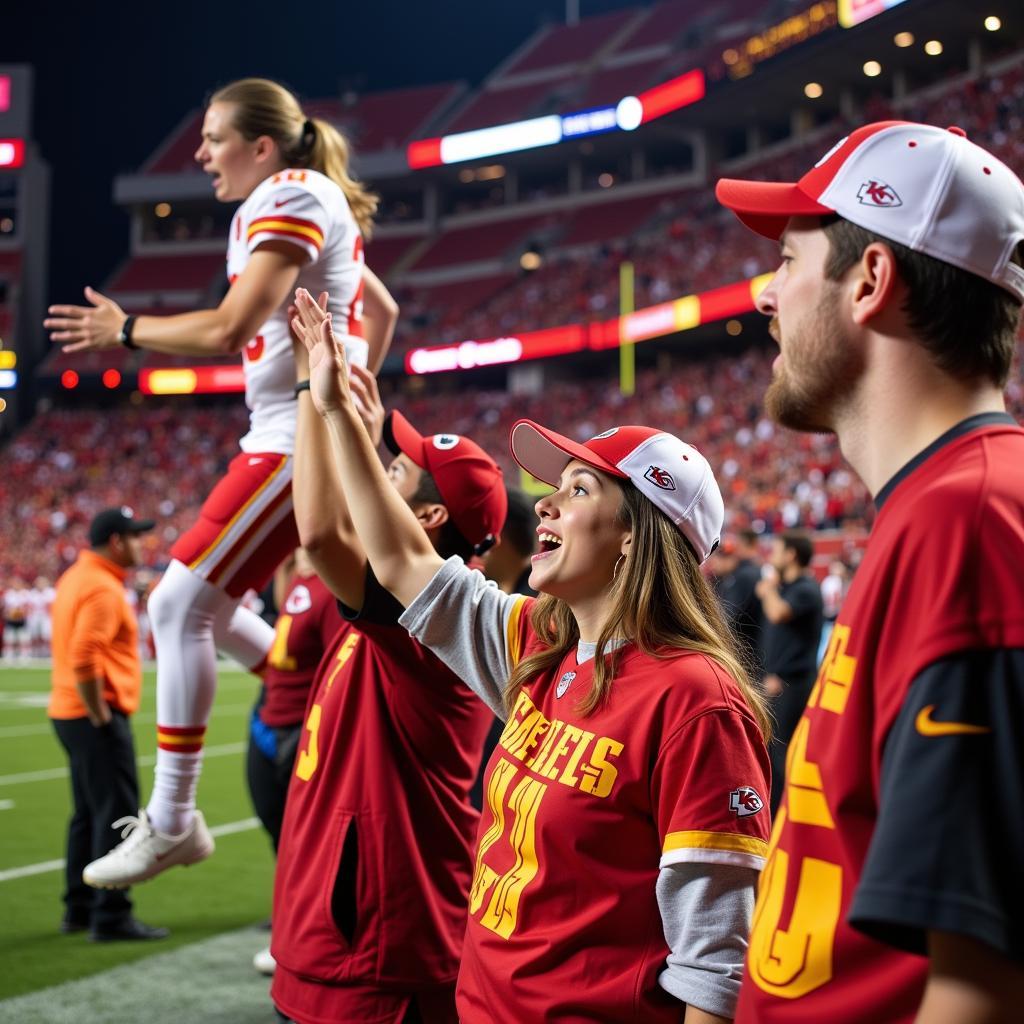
{"type": "Point", "coordinates": [112, 79]}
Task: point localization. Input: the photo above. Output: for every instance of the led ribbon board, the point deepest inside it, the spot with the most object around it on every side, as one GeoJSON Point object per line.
{"type": "Point", "coordinates": [626, 115]}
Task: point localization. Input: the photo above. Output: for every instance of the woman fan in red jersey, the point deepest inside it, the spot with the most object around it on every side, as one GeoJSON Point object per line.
{"type": "Point", "coordinates": [302, 220]}
{"type": "Point", "coordinates": [625, 820]}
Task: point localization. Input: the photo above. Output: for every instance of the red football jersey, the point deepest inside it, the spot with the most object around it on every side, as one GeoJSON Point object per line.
{"type": "Point", "coordinates": [580, 813]}
{"type": "Point", "coordinates": [939, 576]}
{"type": "Point", "coordinates": [307, 625]}
{"type": "Point", "coordinates": [376, 851]}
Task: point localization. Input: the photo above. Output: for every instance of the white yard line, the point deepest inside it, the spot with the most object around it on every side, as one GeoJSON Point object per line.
{"type": "Point", "coordinates": [144, 717]}
{"type": "Point", "coordinates": [228, 829]}
{"type": "Point", "coordinates": [147, 761]}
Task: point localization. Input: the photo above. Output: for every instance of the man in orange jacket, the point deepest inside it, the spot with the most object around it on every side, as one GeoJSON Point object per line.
{"type": "Point", "coordinates": [96, 682]}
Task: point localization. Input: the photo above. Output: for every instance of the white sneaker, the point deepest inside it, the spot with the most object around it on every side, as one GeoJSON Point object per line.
{"type": "Point", "coordinates": [146, 852]}
{"type": "Point", "coordinates": [264, 962]}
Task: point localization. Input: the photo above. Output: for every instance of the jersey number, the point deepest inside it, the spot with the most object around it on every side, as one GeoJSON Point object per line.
{"type": "Point", "coordinates": [516, 816]}
{"type": "Point", "coordinates": [309, 757]}
{"type": "Point", "coordinates": [279, 656]}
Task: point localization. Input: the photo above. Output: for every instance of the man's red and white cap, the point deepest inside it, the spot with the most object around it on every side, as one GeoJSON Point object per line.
{"type": "Point", "coordinates": [670, 473]}
{"type": "Point", "coordinates": [468, 479]}
{"type": "Point", "coordinates": [928, 188]}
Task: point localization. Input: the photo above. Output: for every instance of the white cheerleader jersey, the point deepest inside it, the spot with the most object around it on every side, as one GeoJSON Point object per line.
{"type": "Point", "coordinates": [309, 210]}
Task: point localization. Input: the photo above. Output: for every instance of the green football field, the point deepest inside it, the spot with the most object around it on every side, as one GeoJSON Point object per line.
{"type": "Point", "coordinates": [227, 893]}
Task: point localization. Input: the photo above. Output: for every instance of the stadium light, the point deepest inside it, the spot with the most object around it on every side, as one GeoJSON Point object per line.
{"type": "Point", "coordinates": [813, 90]}
{"type": "Point", "coordinates": [933, 47]}
{"type": "Point", "coordinates": [993, 24]}
{"type": "Point", "coordinates": [903, 39]}
{"type": "Point", "coordinates": [8, 380]}
{"type": "Point", "coordinates": [111, 378]}
{"type": "Point", "coordinates": [69, 379]}
{"type": "Point", "coordinates": [872, 68]}
{"type": "Point", "coordinates": [12, 152]}
{"type": "Point", "coordinates": [536, 132]}
{"type": "Point", "coordinates": [8, 359]}
{"type": "Point", "coordinates": [162, 210]}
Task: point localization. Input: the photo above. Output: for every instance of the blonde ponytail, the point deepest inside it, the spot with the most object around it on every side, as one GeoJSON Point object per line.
{"type": "Point", "coordinates": [329, 154]}
{"type": "Point", "coordinates": [264, 107]}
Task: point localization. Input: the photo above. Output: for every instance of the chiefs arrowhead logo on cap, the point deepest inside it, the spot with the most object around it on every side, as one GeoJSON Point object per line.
{"type": "Point", "coordinates": [877, 193]}
{"type": "Point", "coordinates": [660, 478]}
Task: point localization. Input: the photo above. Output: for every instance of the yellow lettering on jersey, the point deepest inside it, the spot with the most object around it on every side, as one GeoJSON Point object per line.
{"type": "Point", "coordinates": [348, 645]}
{"type": "Point", "coordinates": [540, 727]}
{"type": "Point", "coordinates": [279, 656]}
{"type": "Point", "coordinates": [305, 767]}
{"type": "Point", "coordinates": [502, 911]}
{"type": "Point", "coordinates": [582, 739]}
{"type": "Point", "coordinates": [599, 775]}
{"type": "Point", "coordinates": [515, 732]}
{"type": "Point", "coordinates": [835, 677]}
{"type": "Point", "coordinates": [790, 962]}
{"type": "Point", "coordinates": [538, 759]}
{"type": "Point", "coordinates": [805, 796]}
{"type": "Point", "coordinates": [497, 786]}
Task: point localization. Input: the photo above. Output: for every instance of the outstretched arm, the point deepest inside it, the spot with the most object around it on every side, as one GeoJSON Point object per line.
{"type": "Point", "coordinates": [380, 316]}
{"type": "Point", "coordinates": [400, 553]}
{"type": "Point", "coordinates": [259, 290]}
{"type": "Point", "coordinates": [325, 527]}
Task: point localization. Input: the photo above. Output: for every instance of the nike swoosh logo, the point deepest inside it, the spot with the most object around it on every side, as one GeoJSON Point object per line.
{"type": "Point", "coordinates": [927, 726]}
{"type": "Point", "coordinates": [255, 462]}
{"type": "Point", "coordinates": [280, 202]}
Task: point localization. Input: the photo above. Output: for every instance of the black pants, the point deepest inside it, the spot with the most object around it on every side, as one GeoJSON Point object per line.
{"type": "Point", "coordinates": [268, 777]}
{"type": "Point", "coordinates": [787, 708]}
{"type": "Point", "coordinates": [104, 787]}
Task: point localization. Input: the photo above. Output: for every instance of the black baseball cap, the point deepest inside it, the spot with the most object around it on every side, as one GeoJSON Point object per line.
{"type": "Point", "coordinates": [116, 520]}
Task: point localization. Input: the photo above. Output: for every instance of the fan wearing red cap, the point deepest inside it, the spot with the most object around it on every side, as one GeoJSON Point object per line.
{"type": "Point", "coordinates": [375, 859]}
{"type": "Point", "coordinates": [625, 818]}
{"type": "Point", "coordinates": [890, 893]}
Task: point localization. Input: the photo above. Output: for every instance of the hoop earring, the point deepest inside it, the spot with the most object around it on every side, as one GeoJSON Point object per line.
{"type": "Point", "coordinates": [618, 567]}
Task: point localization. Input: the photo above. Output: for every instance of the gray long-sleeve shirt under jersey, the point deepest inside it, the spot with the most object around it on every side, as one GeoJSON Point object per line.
{"type": "Point", "coordinates": [705, 907]}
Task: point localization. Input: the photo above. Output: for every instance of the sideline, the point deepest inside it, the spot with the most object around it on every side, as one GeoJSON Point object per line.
{"type": "Point", "coordinates": [228, 829]}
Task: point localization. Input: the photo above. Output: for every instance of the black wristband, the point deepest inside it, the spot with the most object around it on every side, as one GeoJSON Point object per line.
{"type": "Point", "coordinates": [303, 385]}
{"type": "Point", "coordinates": [125, 337]}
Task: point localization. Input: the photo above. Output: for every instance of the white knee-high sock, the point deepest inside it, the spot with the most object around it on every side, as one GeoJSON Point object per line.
{"type": "Point", "coordinates": [243, 635]}
{"type": "Point", "coordinates": [182, 610]}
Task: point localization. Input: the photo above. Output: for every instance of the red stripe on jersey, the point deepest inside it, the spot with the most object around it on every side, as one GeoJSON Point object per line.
{"type": "Point", "coordinates": [215, 575]}
{"type": "Point", "coordinates": [276, 224]}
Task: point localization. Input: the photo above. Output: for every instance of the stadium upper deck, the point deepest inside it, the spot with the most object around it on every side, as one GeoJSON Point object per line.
{"type": "Point", "coordinates": [451, 239]}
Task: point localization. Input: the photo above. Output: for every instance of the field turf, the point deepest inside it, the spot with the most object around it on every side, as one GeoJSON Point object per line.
{"type": "Point", "coordinates": [229, 891]}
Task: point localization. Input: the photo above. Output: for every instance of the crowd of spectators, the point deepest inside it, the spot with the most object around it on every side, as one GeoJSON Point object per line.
{"type": "Point", "coordinates": [68, 464]}
{"type": "Point", "coordinates": [165, 457]}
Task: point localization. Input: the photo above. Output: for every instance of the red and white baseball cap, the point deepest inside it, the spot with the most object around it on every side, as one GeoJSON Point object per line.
{"type": "Point", "coordinates": [928, 188]}
{"type": "Point", "coordinates": [468, 479]}
{"type": "Point", "coordinates": [670, 473]}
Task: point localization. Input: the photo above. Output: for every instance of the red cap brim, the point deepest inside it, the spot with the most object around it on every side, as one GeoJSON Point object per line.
{"type": "Point", "coordinates": [401, 436]}
{"type": "Point", "coordinates": [544, 453]}
{"type": "Point", "coordinates": [766, 206]}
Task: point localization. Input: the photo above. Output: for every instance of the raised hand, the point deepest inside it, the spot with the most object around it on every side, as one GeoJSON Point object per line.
{"type": "Point", "coordinates": [81, 328]}
{"type": "Point", "coordinates": [328, 370]}
{"type": "Point", "coordinates": [363, 386]}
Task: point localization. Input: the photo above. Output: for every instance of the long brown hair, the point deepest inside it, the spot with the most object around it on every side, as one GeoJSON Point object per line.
{"type": "Point", "coordinates": [263, 107]}
{"type": "Point", "coordinates": [660, 601]}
